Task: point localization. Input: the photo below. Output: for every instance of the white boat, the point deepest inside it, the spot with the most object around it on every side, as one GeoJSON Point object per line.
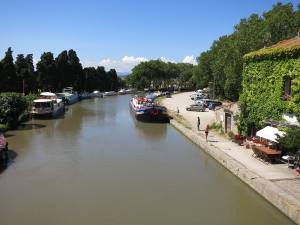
{"type": "Point", "coordinates": [47, 105]}
{"type": "Point", "coordinates": [109, 93]}
{"type": "Point", "coordinates": [96, 94]}
{"type": "Point", "coordinates": [129, 91]}
{"type": "Point", "coordinates": [69, 95]}
{"type": "Point", "coordinates": [122, 92]}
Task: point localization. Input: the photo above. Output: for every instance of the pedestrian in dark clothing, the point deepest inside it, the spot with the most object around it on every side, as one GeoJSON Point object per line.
{"type": "Point", "coordinates": [206, 132]}
{"type": "Point", "coordinates": [198, 123]}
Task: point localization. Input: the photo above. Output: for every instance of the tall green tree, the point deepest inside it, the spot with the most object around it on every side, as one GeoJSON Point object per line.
{"type": "Point", "coordinates": [113, 79]}
{"type": "Point", "coordinates": [22, 72]}
{"type": "Point", "coordinates": [63, 70]}
{"type": "Point", "coordinates": [9, 77]}
{"type": "Point", "coordinates": [280, 22]}
{"type": "Point", "coordinates": [103, 79]}
{"type": "Point", "coordinates": [75, 74]}
{"type": "Point", "coordinates": [30, 76]}
{"type": "Point", "coordinates": [46, 70]}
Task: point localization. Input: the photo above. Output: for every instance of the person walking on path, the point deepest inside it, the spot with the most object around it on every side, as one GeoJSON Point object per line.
{"type": "Point", "coordinates": [198, 123]}
{"type": "Point", "coordinates": [206, 132]}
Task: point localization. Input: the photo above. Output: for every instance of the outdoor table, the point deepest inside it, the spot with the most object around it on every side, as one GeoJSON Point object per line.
{"type": "Point", "coordinates": [266, 153]}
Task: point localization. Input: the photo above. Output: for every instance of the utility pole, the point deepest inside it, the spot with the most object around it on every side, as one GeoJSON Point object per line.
{"type": "Point", "coordinates": [23, 87]}
{"type": "Point", "coordinates": [214, 86]}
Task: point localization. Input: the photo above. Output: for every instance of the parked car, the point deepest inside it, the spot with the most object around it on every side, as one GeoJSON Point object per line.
{"type": "Point", "coordinates": [198, 96]}
{"type": "Point", "coordinates": [168, 94]}
{"type": "Point", "coordinates": [202, 101]}
{"type": "Point", "coordinates": [196, 107]}
{"type": "Point", "coordinates": [213, 104]}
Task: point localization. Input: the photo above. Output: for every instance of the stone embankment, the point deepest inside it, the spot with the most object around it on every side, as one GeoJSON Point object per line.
{"type": "Point", "coordinates": [276, 183]}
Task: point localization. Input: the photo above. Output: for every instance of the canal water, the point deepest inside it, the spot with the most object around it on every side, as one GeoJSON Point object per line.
{"type": "Point", "coordinates": [97, 165]}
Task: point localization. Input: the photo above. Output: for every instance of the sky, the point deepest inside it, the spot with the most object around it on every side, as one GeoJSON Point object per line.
{"type": "Point", "coordinates": [121, 33]}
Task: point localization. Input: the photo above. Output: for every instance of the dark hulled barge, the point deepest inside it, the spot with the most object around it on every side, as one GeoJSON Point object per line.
{"type": "Point", "coordinates": [146, 110]}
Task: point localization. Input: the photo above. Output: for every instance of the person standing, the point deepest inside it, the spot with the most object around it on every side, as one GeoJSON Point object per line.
{"type": "Point", "coordinates": [206, 132]}
{"type": "Point", "coordinates": [198, 123]}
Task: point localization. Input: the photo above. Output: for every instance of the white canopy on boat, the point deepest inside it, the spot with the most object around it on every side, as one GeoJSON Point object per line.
{"type": "Point", "coordinates": [50, 94]}
{"type": "Point", "coordinates": [270, 133]}
{"type": "Point", "coordinates": [42, 100]}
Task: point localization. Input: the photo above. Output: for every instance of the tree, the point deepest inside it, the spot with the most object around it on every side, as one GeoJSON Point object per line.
{"type": "Point", "coordinates": [113, 79]}
{"type": "Point", "coordinates": [280, 22]}
{"type": "Point", "coordinates": [8, 72]}
{"type": "Point", "coordinates": [30, 76]}
{"type": "Point", "coordinates": [63, 70]}
{"type": "Point", "coordinates": [75, 75]}
{"type": "Point", "coordinates": [290, 142]}
{"type": "Point", "coordinates": [21, 71]}
{"type": "Point", "coordinates": [202, 73]}
{"type": "Point", "coordinates": [103, 82]}
{"type": "Point", "coordinates": [46, 70]}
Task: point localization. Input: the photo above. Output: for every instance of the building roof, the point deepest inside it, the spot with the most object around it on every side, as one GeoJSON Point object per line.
{"type": "Point", "coordinates": [285, 49]}
{"type": "Point", "coordinates": [287, 43]}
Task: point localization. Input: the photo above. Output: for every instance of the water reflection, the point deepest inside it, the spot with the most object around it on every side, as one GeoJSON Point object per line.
{"type": "Point", "coordinates": [30, 126]}
{"type": "Point", "coordinates": [150, 131]}
{"type": "Point", "coordinates": [100, 166]}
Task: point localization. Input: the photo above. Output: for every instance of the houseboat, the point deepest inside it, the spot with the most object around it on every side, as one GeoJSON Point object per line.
{"type": "Point", "coordinates": [110, 93]}
{"type": "Point", "coordinates": [145, 109]}
{"type": "Point", "coordinates": [48, 105]}
{"type": "Point", "coordinates": [69, 96]}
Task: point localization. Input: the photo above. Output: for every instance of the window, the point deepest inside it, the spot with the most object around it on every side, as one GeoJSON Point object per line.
{"type": "Point", "coordinates": [287, 88]}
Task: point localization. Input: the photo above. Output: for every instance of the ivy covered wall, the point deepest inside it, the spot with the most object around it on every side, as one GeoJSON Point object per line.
{"type": "Point", "coordinates": [264, 74]}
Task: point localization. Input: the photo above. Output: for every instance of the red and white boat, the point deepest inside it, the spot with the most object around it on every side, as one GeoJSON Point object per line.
{"type": "Point", "coordinates": [145, 109]}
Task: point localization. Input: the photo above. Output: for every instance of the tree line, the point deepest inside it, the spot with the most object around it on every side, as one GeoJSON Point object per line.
{"type": "Point", "coordinates": [53, 74]}
{"type": "Point", "coordinates": [158, 74]}
{"type": "Point", "coordinates": [222, 65]}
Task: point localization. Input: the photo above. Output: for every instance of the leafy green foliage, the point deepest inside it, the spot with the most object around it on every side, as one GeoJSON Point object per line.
{"type": "Point", "coordinates": [8, 73]}
{"type": "Point", "coordinates": [263, 80]}
{"type": "Point", "coordinates": [159, 74]}
{"type": "Point", "coordinates": [12, 105]}
{"type": "Point", "coordinates": [291, 141]}
{"type": "Point", "coordinates": [29, 99]}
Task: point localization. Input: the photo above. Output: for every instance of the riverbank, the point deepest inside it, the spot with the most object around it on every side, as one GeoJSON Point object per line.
{"type": "Point", "coordinates": [276, 183]}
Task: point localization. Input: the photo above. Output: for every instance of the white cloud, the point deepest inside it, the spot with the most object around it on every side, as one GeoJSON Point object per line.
{"type": "Point", "coordinates": [190, 59]}
{"type": "Point", "coordinates": [133, 60]}
{"type": "Point", "coordinates": [126, 63]}
{"type": "Point", "coordinates": [105, 62]}
{"type": "Point", "coordinates": [167, 60]}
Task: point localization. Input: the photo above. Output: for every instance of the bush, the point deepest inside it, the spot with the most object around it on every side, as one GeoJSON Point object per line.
{"type": "Point", "coordinates": [12, 105]}
{"type": "Point", "coordinates": [290, 142]}
{"type": "Point", "coordinates": [217, 127]}
{"type": "Point", "coordinates": [230, 135]}
{"type": "Point", "coordinates": [29, 99]}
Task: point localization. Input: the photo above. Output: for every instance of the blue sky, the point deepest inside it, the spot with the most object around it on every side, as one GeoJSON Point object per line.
{"type": "Point", "coordinates": [118, 33]}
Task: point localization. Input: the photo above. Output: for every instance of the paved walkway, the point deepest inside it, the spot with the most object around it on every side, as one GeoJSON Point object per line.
{"type": "Point", "coordinates": [287, 179]}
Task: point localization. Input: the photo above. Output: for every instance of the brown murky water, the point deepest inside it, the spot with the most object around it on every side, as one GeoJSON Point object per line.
{"type": "Point", "coordinates": [99, 166]}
